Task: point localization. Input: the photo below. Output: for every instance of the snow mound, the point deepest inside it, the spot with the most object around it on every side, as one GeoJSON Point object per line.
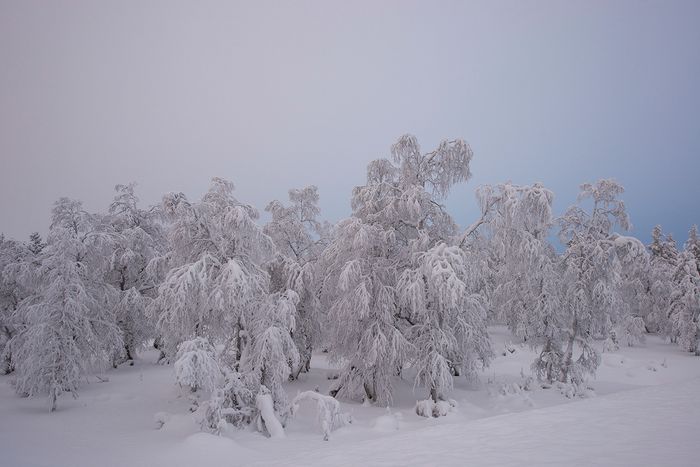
{"type": "Point", "coordinates": [429, 408]}
{"type": "Point", "coordinates": [387, 423]}
{"type": "Point", "coordinates": [205, 449]}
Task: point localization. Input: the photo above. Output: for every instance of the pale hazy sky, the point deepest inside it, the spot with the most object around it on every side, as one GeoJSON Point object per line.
{"type": "Point", "coordinates": [274, 95]}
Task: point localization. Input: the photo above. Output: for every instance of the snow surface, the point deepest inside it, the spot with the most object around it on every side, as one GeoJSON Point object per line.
{"type": "Point", "coordinates": [650, 426]}
{"type": "Point", "coordinates": [644, 412]}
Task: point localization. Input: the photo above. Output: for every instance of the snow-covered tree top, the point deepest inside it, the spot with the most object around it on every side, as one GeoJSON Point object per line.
{"type": "Point", "coordinates": [607, 211]}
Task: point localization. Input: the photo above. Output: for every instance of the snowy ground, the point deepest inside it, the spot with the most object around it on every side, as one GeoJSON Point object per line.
{"type": "Point", "coordinates": [644, 412]}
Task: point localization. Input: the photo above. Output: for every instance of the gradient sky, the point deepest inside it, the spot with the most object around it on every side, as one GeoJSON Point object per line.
{"type": "Point", "coordinates": [274, 95]}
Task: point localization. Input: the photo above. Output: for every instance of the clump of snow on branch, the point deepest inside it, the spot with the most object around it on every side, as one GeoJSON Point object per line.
{"type": "Point", "coordinates": [196, 366]}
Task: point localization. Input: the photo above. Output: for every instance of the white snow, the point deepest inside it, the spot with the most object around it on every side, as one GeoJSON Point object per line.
{"type": "Point", "coordinates": [644, 412]}
{"type": "Point", "coordinates": [263, 401]}
{"type": "Point", "coordinates": [650, 426]}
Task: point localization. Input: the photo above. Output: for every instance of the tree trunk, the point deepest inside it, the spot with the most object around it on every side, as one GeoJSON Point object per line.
{"type": "Point", "coordinates": [569, 355]}
{"type": "Point", "coordinates": [434, 394]}
{"type": "Point", "coordinates": [239, 343]}
{"type": "Point", "coordinates": [304, 367]}
{"type": "Point", "coordinates": [369, 393]}
{"type": "Point", "coordinates": [158, 345]}
{"type": "Point", "coordinates": [547, 350]}
{"type": "Point", "coordinates": [53, 396]}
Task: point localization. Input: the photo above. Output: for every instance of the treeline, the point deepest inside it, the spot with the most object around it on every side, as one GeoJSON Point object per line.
{"type": "Point", "coordinates": [239, 307]}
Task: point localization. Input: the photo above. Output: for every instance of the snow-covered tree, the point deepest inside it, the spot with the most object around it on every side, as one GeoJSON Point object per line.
{"type": "Point", "coordinates": [300, 239]}
{"type": "Point", "coordinates": [218, 289]}
{"type": "Point", "coordinates": [663, 261]}
{"type": "Point", "coordinates": [589, 303]}
{"type": "Point", "coordinates": [683, 288]}
{"type": "Point", "coordinates": [267, 360]}
{"type": "Point", "coordinates": [14, 259]}
{"type": "Point", "coordinates": [36, 244]}
{"type": "Point", "coordinates": [68, 330]}
{"type": "Point", "coordinates": [517, 220]}
{"type": "Point", "coordinates": [366, 334]}
{"type": "Point", "coordinates": [396, 215]}
{"type": "Point", "coordinates": [635, 298]}
{"type": "Point", "coordinates": [684, 303]}
{"type": "Point", "coordinates": [521, 270]}
{"type": "Point", "coordinates": [545, 333]}
{"type": "Point", "coordinates": [138, 239]}
{"type": "Point", "coordinates": [216, 280]}
{"type": "Point", "coordinates": [663, 246]}
{"type": "Point", "coordinates": [448, 318]}
{"type": "Point", "coordinates": [272, 354]}
{"type": "Point", "coordinates": [692, 245]}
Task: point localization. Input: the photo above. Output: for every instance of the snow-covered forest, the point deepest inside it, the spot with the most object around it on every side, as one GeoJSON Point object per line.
{"type": "Point", "coordinates": [396, 302]}
{"type": "Point", "coordinates": [218, 250]}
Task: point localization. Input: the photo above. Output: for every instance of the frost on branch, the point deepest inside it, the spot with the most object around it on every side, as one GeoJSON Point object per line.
{"type": "Point", "coordinates": [438, 170]}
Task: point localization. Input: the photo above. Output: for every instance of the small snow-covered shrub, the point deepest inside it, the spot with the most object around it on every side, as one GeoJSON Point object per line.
{"type": "Point", "coordinates": [231, 403]}
{"type": "Point", "coordinates": [429, 408]}
{"type": "Point", "coordinates": [442, 408]}
{"type": "Point", "coordinates": [547, 366]}
{"type": "Point", "coordinates": [633, 330]}
{"type": "Point", "coordinates": [515, 394]}
{"type": "Point", "coordinates": [528, 383]}
{"type": "Point", "coordinates": [629, 332]}
{"type": "Point", "coordinates": [510, 389]}
{"type": "Point", "coordinates": [196, 366]}
{"type": "Point", "coordinates": [424, 408]}
{"type": "Point", "coordinates": [571, 391]}
{"type": "Point", "coordinates": [611, 344]}
{"type": "Point", "coordinates": [329, 416]}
